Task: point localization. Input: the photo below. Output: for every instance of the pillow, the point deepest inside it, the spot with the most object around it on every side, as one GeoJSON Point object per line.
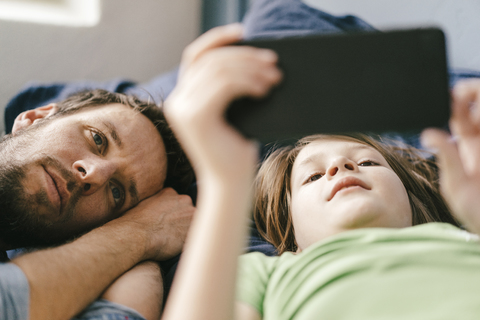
{"type": "Point", "coordinates": [282, 18]}
{"type": "Point", "coordinates": [35, 95]}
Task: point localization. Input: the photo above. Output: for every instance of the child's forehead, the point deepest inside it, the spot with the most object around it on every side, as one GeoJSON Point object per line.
{"type": "Point", "coordinates": [336, 144]}
{"type": "Point", "coordinates": [325, 146]}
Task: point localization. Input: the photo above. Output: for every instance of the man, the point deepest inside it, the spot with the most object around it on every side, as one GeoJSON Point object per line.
{"type": "Point", "coordinates": [75, 165]}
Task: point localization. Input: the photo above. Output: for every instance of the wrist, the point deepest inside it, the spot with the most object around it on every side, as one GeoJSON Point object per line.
{"type": "Point", "coordinates": [221, 184]}
{"type": "Point", "coordinates": [239, 170]}
{"type": "Point", "coordinates": [129, 237]}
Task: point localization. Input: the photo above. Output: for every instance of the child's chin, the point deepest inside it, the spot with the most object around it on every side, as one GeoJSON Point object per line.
{"type": "Point", "coordinates": [358, 212]}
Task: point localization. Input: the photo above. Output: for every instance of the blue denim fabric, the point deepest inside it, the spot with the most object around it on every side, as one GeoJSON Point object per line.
{"type": "Point", "coordinates": [14, 293]}
{"type": "Point", "coordinates": [107, 310]}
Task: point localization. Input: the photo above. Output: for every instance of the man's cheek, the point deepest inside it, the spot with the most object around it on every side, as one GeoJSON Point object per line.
{"type": "Point", "coordinates": [92, 210]}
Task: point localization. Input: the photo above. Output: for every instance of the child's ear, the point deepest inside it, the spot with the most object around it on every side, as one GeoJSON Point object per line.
{"type": "Point", "coordinates": [27, 118]}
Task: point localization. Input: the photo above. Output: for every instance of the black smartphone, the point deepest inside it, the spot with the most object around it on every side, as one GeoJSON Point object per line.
{"type": "Point", "coordinates": [373, 82]}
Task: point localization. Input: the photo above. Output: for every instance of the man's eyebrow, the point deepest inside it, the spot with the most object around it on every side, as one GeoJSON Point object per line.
{"type": "Point", "coordinates": [112, 130]}
{"type": "Point", "coordinates": [132, 189]}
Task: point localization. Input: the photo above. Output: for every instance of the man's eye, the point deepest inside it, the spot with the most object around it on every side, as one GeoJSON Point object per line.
{"type": "Point", "coordinates": [117, 194]}
{"type": "Point", "coordinates": [368, 163]}
{"type": "Point", "coordinates": [99, 140]}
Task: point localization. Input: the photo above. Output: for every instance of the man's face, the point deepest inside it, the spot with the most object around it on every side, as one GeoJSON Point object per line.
{"type": "Point", "coordinates": [84, 169]}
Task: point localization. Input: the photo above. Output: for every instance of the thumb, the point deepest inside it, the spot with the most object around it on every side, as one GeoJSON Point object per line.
{"type": "Point", "coordinates": [452, 173]}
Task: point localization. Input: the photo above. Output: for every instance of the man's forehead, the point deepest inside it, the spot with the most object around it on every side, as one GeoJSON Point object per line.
{"type": "Point", "coordinates": [115, 114]}
{"type": "Point", "coordinates": [112, 108]}
{"type": "Point", "coordinates": [116, 110]}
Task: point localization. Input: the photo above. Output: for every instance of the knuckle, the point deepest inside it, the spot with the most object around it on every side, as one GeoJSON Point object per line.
{"type": "Point", "coordinates": [185, 199]}
{"type": "Point", "coordinates": [169, 190]}
{"type": "Point", "coordinates": [260, 88]}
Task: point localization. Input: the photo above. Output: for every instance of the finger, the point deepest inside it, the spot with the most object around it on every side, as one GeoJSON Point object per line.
{"type": "Point", "coordinates": [261, 82]}
{"type": "Point", "coordinates": [234, 72]}
{"type": "Point", "coordinates": [452, 173]}
{"type": "Point", "coordinates": [214, 38]}
{"type": "Point", "coordinates": [256, 70]}
{"type": "Point", "coordinates": [465, 122]}
{"type": "Point", "coordinates": [255, 82]}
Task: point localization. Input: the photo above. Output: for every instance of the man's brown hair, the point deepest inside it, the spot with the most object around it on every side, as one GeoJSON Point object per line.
{"type": "Point", "coordinates": [272, 204]}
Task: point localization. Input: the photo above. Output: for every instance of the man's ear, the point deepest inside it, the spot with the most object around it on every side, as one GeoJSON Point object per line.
{"type": "Point", "coordinates": [29, 117]}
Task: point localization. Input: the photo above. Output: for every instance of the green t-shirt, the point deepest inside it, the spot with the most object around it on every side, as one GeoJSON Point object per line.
{"type": "Point", "coordinates": [430, 271]}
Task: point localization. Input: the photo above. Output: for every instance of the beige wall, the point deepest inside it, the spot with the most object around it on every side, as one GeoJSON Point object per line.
{"type": "Point", "coordinates": [134, 39]}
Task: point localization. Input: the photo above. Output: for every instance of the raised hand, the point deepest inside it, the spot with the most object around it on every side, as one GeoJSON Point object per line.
{"type": "Point", "coordinates": [459, 155]}
{"type": "Point", "coordinates": [212, 75]}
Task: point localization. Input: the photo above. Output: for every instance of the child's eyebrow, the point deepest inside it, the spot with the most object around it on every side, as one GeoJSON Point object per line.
{"type": "Point", "coordinates": [316, 156]}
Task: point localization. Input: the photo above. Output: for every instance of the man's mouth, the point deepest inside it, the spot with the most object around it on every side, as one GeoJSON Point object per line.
{"type": "Point", "coordinates": [56, 189]}
{"type": "Point", "coordinates": [345, 183]}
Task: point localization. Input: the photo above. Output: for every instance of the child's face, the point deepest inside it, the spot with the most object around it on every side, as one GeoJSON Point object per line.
{"type": "Point", "coordinates": [339, 185]}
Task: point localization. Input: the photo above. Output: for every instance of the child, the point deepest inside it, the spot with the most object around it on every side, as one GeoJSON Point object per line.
{"type": "Point", "coordinates": [342, 211]}
{"type": "Point", "coordinates": [273, 190]}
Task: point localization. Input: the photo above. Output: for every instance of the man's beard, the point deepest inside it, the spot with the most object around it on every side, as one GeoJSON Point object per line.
{"type": "Point", "coordinates": [21, 224]}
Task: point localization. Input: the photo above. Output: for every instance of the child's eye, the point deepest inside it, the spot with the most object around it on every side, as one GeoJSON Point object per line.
{"type": "Point", "coordinates": [314, 177]}
{"type": "Point", "coordinates": [368, 163]}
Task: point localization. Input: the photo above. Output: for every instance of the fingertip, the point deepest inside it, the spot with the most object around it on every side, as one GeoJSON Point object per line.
{"type": "Point", "coordinates": [430, 139]}
{"type": "Point", "coordinates": [268, 55]}
{"type": "Point", "coordinates": [236, 26]}
{"type": "Point", "coordinates": [235, 29]}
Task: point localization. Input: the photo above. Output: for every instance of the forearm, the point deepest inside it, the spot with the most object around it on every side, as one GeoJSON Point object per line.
{"type": "Point", "coordinates": [216, 239]}
{"type": "Point", "coordinates": [140, 288]}
{"type": "Point", "coordinates": [64, 280]}
{"type": "Point", "coordinates": [211, 77]}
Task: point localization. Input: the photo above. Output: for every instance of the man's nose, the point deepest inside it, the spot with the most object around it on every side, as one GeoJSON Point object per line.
{"type": "Point", "coordinates": [93, 174]}
{"type": "Point", "coordinates": [340, 164]}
